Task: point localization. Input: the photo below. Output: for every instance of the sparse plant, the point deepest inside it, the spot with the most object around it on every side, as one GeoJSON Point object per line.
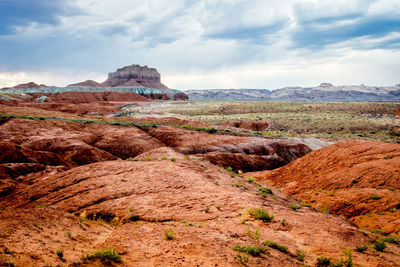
{"type": "Point", "coordinates": [68, 234]}
{"type": "Point", "coordinates": [148, 159]}
{"type": "Point", "coordinates": [379, 245]}
{"type": "Point", "coordinates": [294, 207]}
{"type": "Point", "coordinates": [323, 261]}
{"type": "Point", "coordinates": [261, 214]}
{"type": "Point", "coordinates": [106, 255]}
{"type": "Point", "coordinates": [255, 235]}
{"type": "Point", "coordinates": [392, 239]}
{"type": "Point", "coordinates": [276, 246]}
{"type": "Point", "coordinates": [375, 197]}
{"type": "Point", "coordinates": [378, 232]}
{"type": "Point", "coordinates": [243, 259]}
{"type": "Point", "coordinates": [216, 183]}
{"type": "Point", "coordinates": [250, 180]}
{"type": "Point", "coordinates": [207, 209]}
{"type": "Point", "coordinates": [349, 261]}
{"type": "Point", "coordinates": [362, 248]}
{"type": "Point", "coordinates": [219, 169]}
{"type": "Point", "coordinates": [169, 234]}
{"type": "Point", "coordinates": [229, 169]}
{"type": "Point", "coordinates": [264, 191]}
{"type": "Point", "coordinates": [173, 159]}
{"type": "Point", "coordinates": [255, 251]}
{"type": "Point", "coordinates": [164, 158]}
{"type": "Point", "coordinates": [300, 255]}
{"type": "Point", "coordinates": [60, 254]}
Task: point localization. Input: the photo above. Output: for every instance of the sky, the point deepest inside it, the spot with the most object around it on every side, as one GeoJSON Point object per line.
{"type": "Point", "coordinates": [202, 44]}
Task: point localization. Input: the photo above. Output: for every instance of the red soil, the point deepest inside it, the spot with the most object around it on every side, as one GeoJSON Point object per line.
{"type": "Point", "coordinates": [345, 178]}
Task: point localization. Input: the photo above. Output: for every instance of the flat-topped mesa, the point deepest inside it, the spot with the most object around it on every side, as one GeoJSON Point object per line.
{"type": "Point", "coordinates": [135, 75]}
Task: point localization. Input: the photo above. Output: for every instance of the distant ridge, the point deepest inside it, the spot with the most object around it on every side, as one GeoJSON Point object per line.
{"type": "Point", "coordinates": [325, 92]}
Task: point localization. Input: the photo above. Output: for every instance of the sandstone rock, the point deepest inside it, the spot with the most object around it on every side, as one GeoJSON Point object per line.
{"type": "Point", "coordinates": [135, 75]}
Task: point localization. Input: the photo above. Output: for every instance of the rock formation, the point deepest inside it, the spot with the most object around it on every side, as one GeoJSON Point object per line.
{"type": "Point", "coordinates": [135, 75]}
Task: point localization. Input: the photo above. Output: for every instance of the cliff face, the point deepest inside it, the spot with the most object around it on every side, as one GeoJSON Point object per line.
{"type": "Point", "coordinates": [135, 75]}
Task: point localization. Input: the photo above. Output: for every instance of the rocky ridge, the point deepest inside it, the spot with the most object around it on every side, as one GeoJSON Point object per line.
{"type": "Point", "coordinates": [325, 92]}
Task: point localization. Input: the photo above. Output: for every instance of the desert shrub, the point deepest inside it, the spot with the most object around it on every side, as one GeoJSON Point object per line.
{"type": "Point", "coordinates": [261, 214]}
{"type": "Point", "coordinates": [169, 234]}
{"type": "Point", "coordinates": [255, 251]}
{"type": "Point", "coordinates": [392, 239]}
{"type": "Point", "coordinates": [60, 254]}
{"type": "Point", "coordinates": [173, 159]}
{"type": "Point", "coordinates": [375, 197]}
{"type": "Point", "coordinates": [294, 207]}
{"type": "Point", "coordinates": [362, 248]}
{"type": "Point", "coordinates": [264, 191]}
{"type": "Point", "coordinates": [276, 246]}
{"type": "Point", "coordinates": [229, 169]}
{"type": "Point", "coordinates": [379, 245]}
{"type": "Point", "coordinates": [243, 259]}
{"type": "Point", "coordinates": [106, 255]}
{"type": "Point", "coordinates": [300, 255]}
{"type": "Point", "coordinates": [323, 261]}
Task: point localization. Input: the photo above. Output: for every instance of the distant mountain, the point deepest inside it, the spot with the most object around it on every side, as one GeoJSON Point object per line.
{"type": "Point", "coordinates": [87, 83]}
{"type": "Point", "coordinates": [325, 92]}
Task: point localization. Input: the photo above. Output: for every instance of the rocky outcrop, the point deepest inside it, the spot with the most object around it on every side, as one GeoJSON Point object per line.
{"type": "Point", "coordinates": [135, 75]}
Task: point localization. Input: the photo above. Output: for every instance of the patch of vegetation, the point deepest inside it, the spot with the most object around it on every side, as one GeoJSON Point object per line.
{"type": "Point", "coordinates": [169, 234]}
{"type": "Point", "coordinates": [323, 261]}
{"type": "Point", "coordinates": [5, 233]}
{"type": "Point", "coordinates": [252, 250]}
{"type": "Point", "coordinates": [264, 191]}
{"type": "Point", "coordinates": [216, 183]}
{"type": "Point", "coordinates": [240, 185]}
{"type": "Point", "coordinates": [243, 259]}
{"type": "Point", "coordinates": [250, 180]}
{"type": "Point", "coordinates": [379, 245]}
{"type": "Point", "coordinates": [40, 206]}
{"type": "Point", "coordinates": [379, 232]}
{"type": "Point", "coordinates": [300, 255]}
{"type": "Point", "coordinates": [375, 197]}
{"type": "Point", "coordinates": [255, 235]}
{"type": "Point", "coordinates": [229, 169]}
{"type": "Point", "coordinates": [362, 248]}
{"type": "Point", "coordinates": [60, 254]}
{"type": "Point", "coordinates": [261, 214]}
{"type": "Point", "coordinates": [294, 207]}
{"type": "Point", "coordinates": [107, 255]}
{"type": "Point", "coordinates": [392, 239]}
{"type": "Point", "coordinates": [164, 158]}
{"type": "Point", "coordinates": [276, 246]}
{"type": "Point", "coordinates": [387, 157]}
{"type": "Point", "coordinates": [173, 159]}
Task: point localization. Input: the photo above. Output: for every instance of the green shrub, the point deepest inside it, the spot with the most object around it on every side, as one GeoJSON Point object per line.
{"type": "Point", "coordinates": [391, 239]}
{"type": "Point", "coordinates": [173, 159]}
{"type": "Point", "coordinates": [264, 192]}
{"type": "Point", "coordinates": [276, 246]}
{"type": "Point", "coordinates": [261, 214]}
{"type": "Point", "coordinates": [169, 234]}
{"type": "Point", "coordinates": [375, 197]}
{"type": "Point", "coordinates": [229, 169]}
{"type": "Point", "coordinates": [379, 245]}
{"type": "Point", "coordinates": [243, 259]}
{"type": "Point", "coordinates": [60, 254]}
{"type": "Point", "coordinates": [294, 207]}
{"type": "Point", "coordinates": [255, 251]}
{"type": "Point", "coordinates": [300, 255]}
{"type": "Point", "coordinates": [106, 255]}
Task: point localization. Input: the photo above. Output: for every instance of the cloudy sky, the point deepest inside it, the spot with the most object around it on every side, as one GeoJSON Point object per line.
{"type": "Point", "coordinates": [204, 43]}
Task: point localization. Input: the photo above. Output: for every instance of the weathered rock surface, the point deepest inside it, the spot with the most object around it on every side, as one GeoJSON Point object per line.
{"type": "Point", "coordinates": [135, 75]}
{"type": "Point", "coordinates": [87, 83]}
{"type": "Point", "coordinates": [357, 179]}
{"type": "Point", "coordinates": [208, 219]}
